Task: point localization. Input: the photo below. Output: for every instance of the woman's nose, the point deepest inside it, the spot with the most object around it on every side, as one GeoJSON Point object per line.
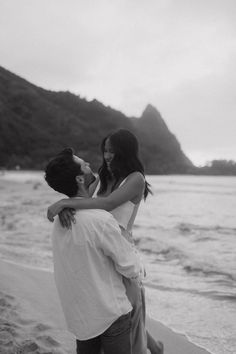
{"type": "Point", "coordinates": [107, 156]}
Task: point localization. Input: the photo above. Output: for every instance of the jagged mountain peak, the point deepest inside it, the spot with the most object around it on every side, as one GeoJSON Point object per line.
{"type": "Point", "coordinates": [150, 111]}
{"type": "Point", "coordinates": [152, 116]}
{"type": "Point", "coordinates": [36, 123]}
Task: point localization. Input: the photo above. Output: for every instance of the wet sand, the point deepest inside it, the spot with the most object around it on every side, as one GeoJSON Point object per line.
{"type": "Point", "coordinates": [31, 319]}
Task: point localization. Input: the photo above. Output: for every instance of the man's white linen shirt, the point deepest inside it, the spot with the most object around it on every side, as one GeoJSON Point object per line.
{"type": "Point", "coordinates": [89, 261]}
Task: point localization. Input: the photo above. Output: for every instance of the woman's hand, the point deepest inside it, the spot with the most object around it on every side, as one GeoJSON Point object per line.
{"type": "Point", "coordinates": [66, 217]}
{"type": "Point", "coordinates": [54, 210]}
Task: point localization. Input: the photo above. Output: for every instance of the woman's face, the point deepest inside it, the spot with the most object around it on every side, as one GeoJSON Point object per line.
{"type": "Point", "coordinates": [108, 153]}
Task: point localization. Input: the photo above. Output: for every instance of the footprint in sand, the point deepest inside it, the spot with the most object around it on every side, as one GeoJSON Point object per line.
{"type": "Point", "coordinates": [40, 327]}
{"type": "Point", "coordinates": [9, 297]}
{"type": "Point", "coordinates": [7, 304]}
{"type": "Point", "coordinates": [4, 303]}
{"type": "Point", "coordinates": [8, 344]}
{"type": "Point", "coordinates": [6, 338]}
{"type": "Point", "coordinates": [23, 321]}
{"type": "Point", "coordinates": [8, 327]}
{"type": "Point", "coordinates": [48, 341]}
{"type": "Point", "coordinates": [27, 346]}
{"type": "Point", "coordinates": [31, 347]}
{"type": "Point", "coordinates": [19, 335]}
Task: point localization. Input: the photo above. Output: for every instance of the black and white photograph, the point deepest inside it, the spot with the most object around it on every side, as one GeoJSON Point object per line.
{"type": "Point", "coordinates": [117, 177]}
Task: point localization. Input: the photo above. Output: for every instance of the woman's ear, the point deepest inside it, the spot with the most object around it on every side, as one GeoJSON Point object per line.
{"type": "Point", "coordinates": [80, 179]}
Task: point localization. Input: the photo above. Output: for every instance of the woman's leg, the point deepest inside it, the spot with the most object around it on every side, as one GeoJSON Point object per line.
{"type": "Point", "coordinates": [138, 331]}
{"type": "Point", "coordinates": [155, 347]}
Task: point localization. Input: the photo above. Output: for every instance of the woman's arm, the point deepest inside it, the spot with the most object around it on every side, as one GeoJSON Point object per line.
{"type": "Point", "coordinates": [67, 215]}
{"type": "Point", "coordinates": [131, 189]}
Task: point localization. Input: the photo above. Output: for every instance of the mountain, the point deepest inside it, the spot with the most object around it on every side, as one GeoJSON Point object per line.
{"type": "Point", "coordinates": [36, 123]}
{"type": "Point", "coordinates": [160, 149]}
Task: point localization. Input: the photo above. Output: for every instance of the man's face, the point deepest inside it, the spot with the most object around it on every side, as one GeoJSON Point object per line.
{"type": "Point", "coordinates": [85, 168]}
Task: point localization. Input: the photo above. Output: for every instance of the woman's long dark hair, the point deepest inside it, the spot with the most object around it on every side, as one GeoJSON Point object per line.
{"type": "Point", "coordinates": [125, 161]}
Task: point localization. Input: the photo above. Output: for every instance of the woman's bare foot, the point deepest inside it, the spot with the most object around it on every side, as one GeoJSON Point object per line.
{"type": "Point", "coordinates": [161, 347]}
{"type": "Point", "coordinates": [155, 347]}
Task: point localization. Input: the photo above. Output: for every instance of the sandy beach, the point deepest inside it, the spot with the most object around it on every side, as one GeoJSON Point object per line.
{"type": "Point", "coordinates": [31, 319]}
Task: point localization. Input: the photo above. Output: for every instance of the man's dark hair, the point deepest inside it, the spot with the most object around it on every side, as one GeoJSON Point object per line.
{"type": "Point", "coordinates": [61, 172]}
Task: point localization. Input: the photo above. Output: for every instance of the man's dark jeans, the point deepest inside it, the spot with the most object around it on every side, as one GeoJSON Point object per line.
{"type": "Point", "coordinates": [115, 340]}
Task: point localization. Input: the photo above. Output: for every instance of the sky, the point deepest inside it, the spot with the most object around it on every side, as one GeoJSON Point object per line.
{"type": "Point", "coordinates": [178, 55]}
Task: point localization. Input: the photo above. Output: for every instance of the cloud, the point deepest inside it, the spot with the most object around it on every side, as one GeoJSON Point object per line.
{"type": "Point", "coordinates": [177, 55]}
{"type": "Point", "coordinates": [202, 113]}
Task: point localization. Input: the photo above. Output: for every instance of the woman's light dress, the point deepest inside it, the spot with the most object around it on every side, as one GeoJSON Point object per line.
{"type": "Point", "coordinates": [125, 215]}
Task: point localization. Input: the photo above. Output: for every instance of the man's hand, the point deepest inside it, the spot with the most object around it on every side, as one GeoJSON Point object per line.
{"type": "Point", "coordinates": [54, 210]}
{"type": "Point", "coordinates": [67, 217]}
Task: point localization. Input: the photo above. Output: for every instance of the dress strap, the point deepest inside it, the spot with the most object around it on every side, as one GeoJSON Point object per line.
{"type": "Point", "coordinates": [95, 193]}
{"type": "Point", "coordinates": [133, 216]}
{"type": "Point", "coordinates": [122, 182]}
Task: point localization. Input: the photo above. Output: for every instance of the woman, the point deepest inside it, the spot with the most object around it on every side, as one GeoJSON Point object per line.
{"type": "Point", "coordinates": [120, 188]}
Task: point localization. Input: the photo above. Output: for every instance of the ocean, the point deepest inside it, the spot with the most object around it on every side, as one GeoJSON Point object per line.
{"type": "Point", "coordinates": [186, 233]}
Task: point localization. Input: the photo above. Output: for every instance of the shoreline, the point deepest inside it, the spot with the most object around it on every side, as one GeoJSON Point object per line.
{"type": "Point", "coordinates": [32, 319]}
{"type": "Point", "coordinates": [5, 172]}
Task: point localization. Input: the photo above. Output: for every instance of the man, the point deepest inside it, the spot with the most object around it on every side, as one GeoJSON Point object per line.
{"type": "Point", "coordinates": [89, 262]}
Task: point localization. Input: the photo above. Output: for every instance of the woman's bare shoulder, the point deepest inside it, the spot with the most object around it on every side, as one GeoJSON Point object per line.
{"type": "Point", "coordinates": [136, 176]}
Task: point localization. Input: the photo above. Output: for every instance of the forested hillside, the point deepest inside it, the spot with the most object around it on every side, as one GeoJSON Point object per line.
{"type": "Point", "coordinates": [35, 124]}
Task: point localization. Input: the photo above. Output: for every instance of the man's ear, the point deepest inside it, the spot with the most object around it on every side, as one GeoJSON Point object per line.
{"type": "Point", "coordinates": [80, 179]}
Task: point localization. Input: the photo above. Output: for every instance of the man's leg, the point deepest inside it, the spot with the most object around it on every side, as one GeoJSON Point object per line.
{"type": "Point", "coordinates": [117, 338]}
{"type": "Point", "coordinates": [90, 346]}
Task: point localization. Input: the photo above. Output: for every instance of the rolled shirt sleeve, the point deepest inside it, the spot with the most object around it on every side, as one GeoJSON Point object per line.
{"type": "Point", "coordinates": [125, 257]}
